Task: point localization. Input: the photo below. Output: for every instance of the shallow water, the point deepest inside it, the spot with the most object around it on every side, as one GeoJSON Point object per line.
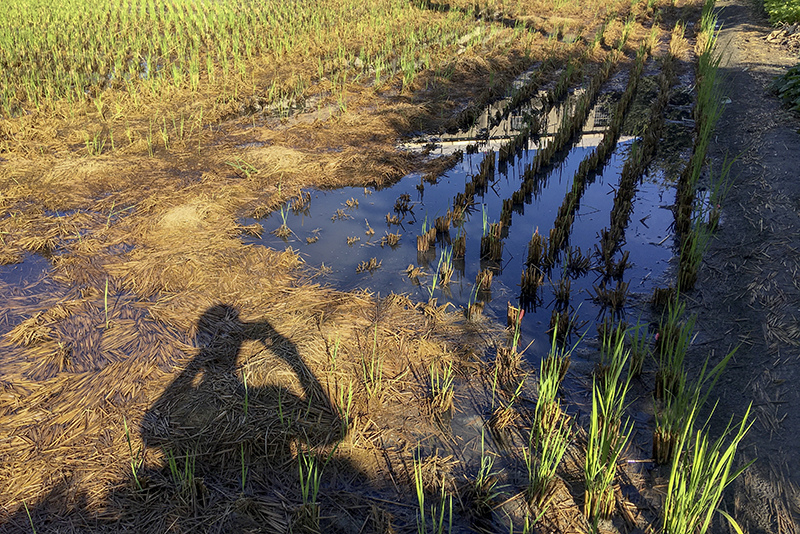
{"type": "Point", "coordinates": [321, 231]}
{"type": "Point", "coordinates": [29, 271]}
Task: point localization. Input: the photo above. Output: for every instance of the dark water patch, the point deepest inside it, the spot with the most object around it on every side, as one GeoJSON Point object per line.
{"type": "Point", "coordinates": [346, 228]}
{"type": "Point", "coordinates": [22, 287]}
{"type": "Point", "coordinates": [31, 270]}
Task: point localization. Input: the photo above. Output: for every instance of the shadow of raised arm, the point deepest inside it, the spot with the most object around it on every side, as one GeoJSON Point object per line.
{"type": "Point", "coordinates": [208, 407]}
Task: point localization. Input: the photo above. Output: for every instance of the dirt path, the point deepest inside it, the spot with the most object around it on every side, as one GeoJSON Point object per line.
{"type": "Point", "coordinates": [749, 292]}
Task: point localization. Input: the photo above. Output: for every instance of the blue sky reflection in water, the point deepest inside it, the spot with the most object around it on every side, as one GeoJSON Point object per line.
{"type": "Point", "coordinates": [320, 233]}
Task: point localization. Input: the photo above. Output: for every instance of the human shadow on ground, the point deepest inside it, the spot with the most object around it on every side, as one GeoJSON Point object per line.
{"type": "Point", "coordinates": [225, 446]}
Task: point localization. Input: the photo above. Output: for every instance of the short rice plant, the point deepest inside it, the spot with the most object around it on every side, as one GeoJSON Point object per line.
{"type": "Point", "coordinates": [684, 397]}
{"type": "Point", "coordinates": [189, 487]}
{"type": "Point", "coordinates": [548, 407]}
{"type": "Point", "coordinates": [441, 513]}
{"type": "Point", "coordinates": [137, 459]}
{"type": "Point", "coordinates": [693, 246]}
{"type": "Point", "coordinates": [310, 473]}
{"type": "Point", "coordinates": [372, 368]}
{"type": "Point", "coordinates": [484, 491]}
{"type": "Point", "coordinates": [344, 405]}
{"type": "Point", "coordinates": [700, 472]}
{"type": "Point", "coordinates": [442, 377]}
{"type": "Point", "coordinates": [672, 342]}
{"type": "Point", "coordinates": [719, 185]}
{"type": "Point", "coordinates": [608, 435]}
{"type": "Point", "coordinates": [542, 458]}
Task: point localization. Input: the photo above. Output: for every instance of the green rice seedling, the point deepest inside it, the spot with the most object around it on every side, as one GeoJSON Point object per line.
{"type": "Point", "coordinates": [685, 397]}
{"type": "Point", "coordinates": [283, 231]}
{"type": "Point", "coordinates": [441, 513]}
{"type": "Point", "coordinates": [310, 478]}
{"type": "Point", "coordinates": [436, 276]}
{"type": "Point", "coordinates": [30, 519]}
{"type": "Point", "coordinates": [542, 457]}
{"type": "Point", "coordinates": [484, 490]}
{"type": "Point", "coordinates": [492, 243]}
{"type": "Point", "coordinates": [548, 408]}
{"type": "Point", "coordinates": [95, 144]}
{"type": "Point", "coordinates": [344, 406]}
{"type": "Point", "coordinates": [184, 478]}
{"type": "Point", "coordinates": [244, 169]}
{"type": "Point", "coordinates": [442, 378]}
{"type": "Point", "coordinates": [608, 436]}
{"type": "Point", "coordinates": [136, 459]}
{"type": "Point", "coordinates": [672, 341]}
{"type": "Point", "coordinates": [419, 486]}
{"type": "Point", "coordinates": [607, 439]}
{"type": "Point", "coordinates": [474, 308]}
{"type": "Point", "coordinates": [700, 472]}
{"type": "Point", "coordinates": [517, 332]}
{"type": "Point", "coordinates": [598, 36]}
{"type": "Point", "coordinates": [626, 32]}
{"type": "Point", "coordinates": [446, 269]}
{"type": "Point", "coordinates": [372, 368]}
{"type": "Point", "coordinates": [719, 185]}
{"type": "Point", "coordinates": [640, 348]}
{"type": "Point", "coordinates": [693, 246]}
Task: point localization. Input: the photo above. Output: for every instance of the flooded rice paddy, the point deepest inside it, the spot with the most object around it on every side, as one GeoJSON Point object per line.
{"type": "Point", "coordinates": [366, 238]}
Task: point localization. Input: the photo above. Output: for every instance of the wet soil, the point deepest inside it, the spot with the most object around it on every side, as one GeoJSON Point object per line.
{"type": "Point", "coordinates": [748, 293]}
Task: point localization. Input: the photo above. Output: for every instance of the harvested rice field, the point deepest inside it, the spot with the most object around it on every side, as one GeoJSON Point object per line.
{"type": "Point", "coordinates": [386, 266]}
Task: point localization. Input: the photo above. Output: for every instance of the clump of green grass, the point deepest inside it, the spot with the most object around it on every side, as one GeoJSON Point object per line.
{"type": "Point", "coordinates": [675, 334]}
{"type": "Point", "coordinates": [693, 246]}
{"type": "Point", "coordinates": [442, 377]}
{"type": "Point", "coordinates": [483, 492]}
{"type": "Point", "coordinates": [307, 516]}
{"type": "Point", "coordinates": [441, 513]}
{"type": "Point", "coordinates": [372, 368]}
{"type": "Point", "coordinates": [551, 373]}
